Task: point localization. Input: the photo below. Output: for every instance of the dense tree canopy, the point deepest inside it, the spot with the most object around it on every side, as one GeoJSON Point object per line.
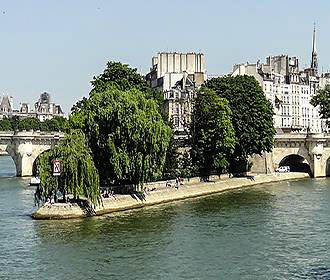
{"type": "Point", "coordinates": [126, 133]}
{"type": "Point", "coordinates": [5, 125]}
{"type": "Point", "coordinates": [79, 176]}
{"type": "Point", "coordinates": [322, 99]}
{"type": "Point", "coordinates": [120, 76]}
{"type": "Point", "coordinates": [252, 116]}
{"type": "Point", "coordinates": [171, 165]}
{"type": "Point", "coordinates": [14, 123]}
{"type": "Point", "coordinates": [29, 123]}
{"type": "Point", "coordinates": [123, 77]}
{"type": "Point", "coordinates": [213, 136]}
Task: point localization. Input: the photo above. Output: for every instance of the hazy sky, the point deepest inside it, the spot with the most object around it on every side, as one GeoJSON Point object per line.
{"type": "Point", "coordinates": [58, 46]}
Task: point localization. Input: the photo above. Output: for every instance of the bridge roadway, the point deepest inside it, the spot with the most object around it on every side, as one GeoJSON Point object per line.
{"type": "Point", "coordinates": [312, 150]}
{"type": "Point", "coordinates": [25, 146]}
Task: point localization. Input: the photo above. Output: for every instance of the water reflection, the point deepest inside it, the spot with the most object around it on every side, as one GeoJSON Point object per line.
{"type": "Point", "coordinates": [232, 201]}
{"type": "Point", "coordinates": [140, 222]}
{"type": "Point", "coordinates": [7, 167]}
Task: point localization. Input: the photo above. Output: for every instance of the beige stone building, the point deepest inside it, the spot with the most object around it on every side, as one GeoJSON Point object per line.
{"type": "Point", "coordinates": [43, 109]}
{"type": "Point", "coordinates": [178, 76]}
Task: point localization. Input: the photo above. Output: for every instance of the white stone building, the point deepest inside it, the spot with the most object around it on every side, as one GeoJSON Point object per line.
{"type": "Point", "coordinates": [289, 89]}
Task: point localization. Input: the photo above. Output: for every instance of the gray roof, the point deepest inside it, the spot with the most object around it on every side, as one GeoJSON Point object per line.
{"type": "Point", "coordinates": [5, 104]}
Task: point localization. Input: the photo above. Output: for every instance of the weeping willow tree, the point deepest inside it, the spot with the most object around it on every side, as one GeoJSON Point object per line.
{"type": "Point", "coordinates": [126, 133]}
{"type": "Point", "coordinates": [79, 176]}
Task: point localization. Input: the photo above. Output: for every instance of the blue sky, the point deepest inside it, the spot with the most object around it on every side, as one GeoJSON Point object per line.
{"type": "Point", "coordinates": [58, 46]}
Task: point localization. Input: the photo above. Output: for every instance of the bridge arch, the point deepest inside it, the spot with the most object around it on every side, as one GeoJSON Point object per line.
{"type": "Point", "coordinates": [327, 173]}
{"type": "Point", "coordinates": [35, 163]}
{"type": "Point", "coordinates": [293, 154]}
{"type": "Point", "coordinates": [24, 147]}
{"type": "Point", "coordinates": [297, 163]}
{"type": "Point", "coordinates": [24, 156]}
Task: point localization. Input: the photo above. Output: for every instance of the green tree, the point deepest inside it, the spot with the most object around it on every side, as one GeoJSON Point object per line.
{"type": "Point", "coordinates": [14, 122]}
{"type": "Point", "coordinates": [54, 124]}
{"type": "Point", "coordinates": [126, 134]}
{"type": "Point", "coordinates": [252, 117]}
{"type": "Point", "coordinates": [322, 99]}
{"type": "Point", "coordinates": [29, 123]}
{"type": "Point", "coordinates": [123, 77]}
{"type": "Point", "coordinates": [79, 176]}
{"type": "Point", "coordinates": [5, 125]}
{"type": "Point", "coordinates": [171, 165]}
{"type": "Point", "coordinates": [213, 136]}
{"type": "Point", "coordinates": [120, 76]}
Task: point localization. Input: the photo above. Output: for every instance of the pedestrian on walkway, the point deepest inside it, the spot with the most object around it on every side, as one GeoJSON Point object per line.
{"type": "Point", "coordinates": [177, 183]}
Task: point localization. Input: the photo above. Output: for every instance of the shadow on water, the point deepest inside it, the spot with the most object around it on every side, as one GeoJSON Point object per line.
{"type": "Point", "coordinates": [7, 167]}
{"type": "Point", "coordinates": [140, 222]}
{"type": "Point", "coordinates": [147, 221]}
{"type": "Point", "coordinates": [232, 201]}
{"type": "Point", "coordinates": [318, 273]}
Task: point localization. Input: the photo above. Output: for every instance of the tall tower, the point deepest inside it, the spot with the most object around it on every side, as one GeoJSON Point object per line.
{"type": "Point", "coordinates": [314, 63]}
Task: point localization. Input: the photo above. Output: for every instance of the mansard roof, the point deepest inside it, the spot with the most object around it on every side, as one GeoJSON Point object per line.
{"type": "Point", "coordinates": [5, 104]}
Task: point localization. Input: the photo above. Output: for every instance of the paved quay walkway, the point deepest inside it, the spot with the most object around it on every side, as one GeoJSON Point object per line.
{"type": "Point", "coordinates": [161, 194]}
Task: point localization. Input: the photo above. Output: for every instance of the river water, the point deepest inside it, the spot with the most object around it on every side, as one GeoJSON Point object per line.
{"type": "Point", "coordinates": [274, 231]}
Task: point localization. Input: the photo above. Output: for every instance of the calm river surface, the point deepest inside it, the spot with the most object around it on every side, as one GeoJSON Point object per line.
{"type": "Point", "coordinates": [275, 231]}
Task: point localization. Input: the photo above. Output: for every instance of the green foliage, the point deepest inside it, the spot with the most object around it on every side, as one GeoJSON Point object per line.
{"type": "Point", "coordinates": [124, 78]}
{"type": "Point", "coordinates": [120, 76]}
{"type": "Point", "coordinates": [252, 117]}
{"type": "Point", "coordinates": [186, 167]}
{"type": "Point", "coordinates": [79, 175]}
{"type": "Point", "coordinates": [14, 123]}
{"type": "Point", "coordinates": [5, 125]}
{"type": "Point", "coordinates": [126, 134]}
{"type": "Point", "coordinates": [54, 124]}
{"type": "Point", "coordinates": [322, 99]}
{"type": "Point", "coordinates": [29, 123]}
{"type": "Point", "coordinates": [213, 137]}
{"type": "Point", "coordinates": [171, 165]}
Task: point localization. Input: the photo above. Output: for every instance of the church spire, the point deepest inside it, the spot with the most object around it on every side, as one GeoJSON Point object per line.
{"type": "Point", "coordinates": [314, 63]}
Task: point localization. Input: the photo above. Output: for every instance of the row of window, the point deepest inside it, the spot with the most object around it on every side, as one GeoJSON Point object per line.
{"type": "Point", "coordinates": [289, 122]}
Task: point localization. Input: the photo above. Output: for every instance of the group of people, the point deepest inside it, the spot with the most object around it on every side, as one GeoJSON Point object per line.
{"type": "Point", "coordinates": [178, 182]}
{"type": "Point", "coordinates": [106, 193]}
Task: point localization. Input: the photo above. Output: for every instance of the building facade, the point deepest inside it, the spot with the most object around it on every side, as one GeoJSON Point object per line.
{"type": "Point", "coordinates": [290, 90]}
{"type": "Point", "coordinates": [44, 108]}
{"type": "Point", "coordinates": [6, 105]}
{"type": "Point", "coordinates": [178, 76]}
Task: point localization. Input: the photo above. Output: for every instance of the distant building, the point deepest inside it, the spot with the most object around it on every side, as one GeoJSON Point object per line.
{"type": "Point", "coordinates": [6, 105]}
{"type": "Point", "coordinates": [43, 109]}
{"type": "Point", "coordinates": [289, 89]}
{"type": "Point", "coordinates": [178, 76]}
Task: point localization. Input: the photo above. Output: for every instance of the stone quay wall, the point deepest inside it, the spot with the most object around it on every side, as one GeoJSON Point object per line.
{"type": "Point", "coordinates": [161, 194]}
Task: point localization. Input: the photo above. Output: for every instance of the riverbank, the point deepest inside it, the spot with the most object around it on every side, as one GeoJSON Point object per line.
{"type": "Point", "coordinates": [161, 194]}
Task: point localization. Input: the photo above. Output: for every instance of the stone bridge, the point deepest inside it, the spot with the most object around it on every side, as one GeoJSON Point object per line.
{"type": "Point", "coordinates": [304, 152]}
{"type": "Point", "coordinates": [25, 146]}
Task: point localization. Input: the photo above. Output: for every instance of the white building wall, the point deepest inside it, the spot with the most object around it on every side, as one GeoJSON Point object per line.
{"type": "Point", "coordinates": [179, 62]}
{"type": "Point", "coordinates": [294, 109]}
